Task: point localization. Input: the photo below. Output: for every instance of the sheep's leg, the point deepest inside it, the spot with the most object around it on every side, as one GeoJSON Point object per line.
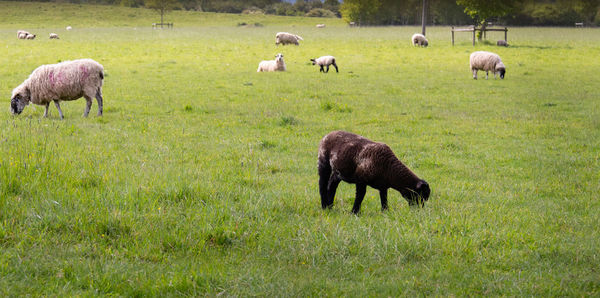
{"type": "Point", "coordinates": [332, 185]}
{"type": "Point", "coordinates": [334, 65]}
{"type": "Point", "coordinates": [88, 105]}
{"type": "Point", "coordinates": [46, 112]}
{"type": "Point", "coordinates": [327, 69]}
{"type": "Point", "coordinates": [474, 74]}
{"type": "Point", "coordinates": [486, 74]}
{"type": "Point", "coordinates": [59, 110]}
{"type": "Point", "coordinates": [321, 70]}
{"type": "Point", "coordinates": [99, 100]}
{"type": "Point", "coordinates": [324, 174]}
{"type": "Point", "coordinates": [361, 189]}
{"type": "Point", "coordinates": [383, 196]}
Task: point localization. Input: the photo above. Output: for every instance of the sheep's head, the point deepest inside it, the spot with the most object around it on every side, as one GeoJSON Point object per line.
{"type": "Point", "coordinates": [501, 69]}
{"type": "Point", "coordinates": [279, 57]}
{"type": "Point", "coordinates": [425, 43]}
{"type": "Point", "coordinates": [419, 194]}
{"type": "Point", "coordinates": [19, 100]}
{"type": "Point", "coordinates": [313, 61]}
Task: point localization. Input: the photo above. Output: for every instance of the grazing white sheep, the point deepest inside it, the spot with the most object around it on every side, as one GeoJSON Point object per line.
{"type": "Point", "coordinates": [502, 43]}
{"type": "Point", "coordinates": [419, 39]}
{"type": "Point", "coordinates": [287, 38]}
{"type": "Point", "coordinates": [272, 65]}
{"type": "Point", "coordinates": [320, 25]}
{"type": "Point", "coordinates": [69, 28]}
{"type": "Point", "coordinates": [22, 34]}
{"type": "Point", "coordinates": [67, 80]}
{"type": "Point", "coordinates": [486, 61]}
{"type": "Point", "coordinates": [30, 36]}
{"type": "Point", "coordinates": [325, 61]}
{"type": "Point", "coordinates": [54, 36]}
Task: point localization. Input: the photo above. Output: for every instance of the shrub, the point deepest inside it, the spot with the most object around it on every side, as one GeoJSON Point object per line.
{"type": "Point", "coordinates": [320, 13]}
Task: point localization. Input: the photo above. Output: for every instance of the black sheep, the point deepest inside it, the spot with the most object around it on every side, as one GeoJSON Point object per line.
{"type": "Point", "coordinates": [344, 156]}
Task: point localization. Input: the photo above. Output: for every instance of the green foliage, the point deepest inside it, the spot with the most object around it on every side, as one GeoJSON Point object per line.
{"type": "Point", "coordinates": [221, 198]}
{"type": "Point", "coordinates": [320, 13]}
{"type": "Point", "coordinates": [483, 10]}
{"type": "Point", "coordinates": [363, 12]}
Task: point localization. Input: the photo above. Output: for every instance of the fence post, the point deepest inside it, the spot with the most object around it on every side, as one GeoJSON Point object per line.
{"type": "Point", "coordinates": [473, 36]}
{"type": "Point", "coordinates": [452, 35]}
{"type": "Point", "coordinates": [505, 34]}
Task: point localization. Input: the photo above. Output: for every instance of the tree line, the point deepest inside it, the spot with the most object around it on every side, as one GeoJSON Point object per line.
{"type": "Point", "coordinates": [398, 12]}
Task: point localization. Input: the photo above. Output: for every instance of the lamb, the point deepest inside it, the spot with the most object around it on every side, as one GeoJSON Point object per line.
{"type": "Point", "coordinates": [502, 43]}
{"type": "Point", "coordinates": [69, 28]}
{"type": "Point", "coordinates": [68, 80]}
{"type": "Point", "coordinates": [272, 65]}
{"type": "Point", "coordinates": [344, 156]}
{"type": "Point", "coordinates": [320, 25]}
{"type": "Point", "coordinates": [287, 38]}
{"type": "Point", "coordinates": [54, 36]}
{"type": "Point", "coordinates": [22, 34]}
{"type": "Point", "coordinates": [486, 61]}
{"type": "Point", "coordinates": [419, 39]}
{"type": "Point", "coordinates": [325, 61]}
{"type": "Point", "coordinates": [30, 36]}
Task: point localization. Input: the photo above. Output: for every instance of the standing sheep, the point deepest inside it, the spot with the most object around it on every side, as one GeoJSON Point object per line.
{"type": "Point", "coordinates": [272, 65]}
{"type": "Point", "coordinates": [345, 156]}
{"type": "Point", "coordinates": [69, 28]}
{"type": "Point", "coordinates": [325, 61]}
{"type": "Point", "coordinates": [419, 39]}
{"type": "Point", "coordinates": [320, 25]}
{"type": "Point", "coordinates": [486, 61]}
{"type": "Point", "coordinates": [30, 36]}
{"type": "Point", "coordinates": [64, 81]}
{"type": "Point", "coordinates": [502, 43]}
{"type": "Point", "coordinates": [54, 36]}
{"type": "Point", "coordinates": [287, 38]}
{"type": "Point", "coordinates": [22, 34]}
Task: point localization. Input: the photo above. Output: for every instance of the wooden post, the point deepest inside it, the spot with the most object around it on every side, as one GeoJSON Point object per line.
{"type": "Point", "coordinates": [505, 34]}
{"type": "Point", "coordinates": [474, 36]}
{"type": "Point", "coordinates": [424, 17]}
{"type": "Point", "coordinates": [452, 35]}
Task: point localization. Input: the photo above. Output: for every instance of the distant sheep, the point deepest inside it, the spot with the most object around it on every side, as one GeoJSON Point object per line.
{"type": "Point", "coordinates": [325, 61]}
{"type": "Point", "coordinates": [420, 40]}
{"type": "Point", "coordinates": [30, 36]}
{"type": "Point", "coordinates": [287, 38]}
{"type": "Point", "coordinates": [502, 43]}
{"type": "Point", "coordinates": [272, 65]}
{"type": "Point", "coordinates": [320, 25]}
{"type": "Point", "coordinates": [64, 81]}
{"type": "Point", "coordinates": [22, 34]}
{"type": "Point", "coordinates": [69, 28]}
{"type": "Point", "coordinates": [54, 36]}
{"type": "Point", "coordinates": [345, 156]}
{"type": "Point", "coordinates": [486, 61]}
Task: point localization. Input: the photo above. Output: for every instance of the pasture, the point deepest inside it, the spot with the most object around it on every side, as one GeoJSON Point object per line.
{"type": "Point", "coordinates": [201, 177]}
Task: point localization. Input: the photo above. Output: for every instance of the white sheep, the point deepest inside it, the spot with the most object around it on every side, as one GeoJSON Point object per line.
{"type": "Point", "coordinates": [54, 36]}
{"type": "Point", "coordinates": [502, 43]}
{"type": "Point", "coordinates": [320, 25]}
{"type": "Point", "coordinates": [287, 38]}
{"type": "Point", "coordinates": [486, 61]}
{"type": "Point", "coordinates": [64, 81]}
{"type": "Point", "coordinates": [30, 36]}
{"type": "Point", "coordinates": [419, 39]}
{"type": "Point", "coordinates": [22, 34]}
{"type": "Point", "coordinates": [69, 28]}
{"type": "Point", "coordinates": [325, 61]}
{"type": "Point", "coordinates": [272, 65]}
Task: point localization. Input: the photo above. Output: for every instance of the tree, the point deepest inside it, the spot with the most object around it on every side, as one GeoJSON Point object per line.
{"type": "Point", "coordinates": [482, 10]}
{"type": "Point", "coordinates": [161, 6]}
{"type": "Point", "coordinates": [360, 11]}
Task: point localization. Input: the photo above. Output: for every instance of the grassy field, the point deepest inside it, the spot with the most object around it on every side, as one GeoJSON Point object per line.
{"type": "Point", "coordinates": [201, 178]}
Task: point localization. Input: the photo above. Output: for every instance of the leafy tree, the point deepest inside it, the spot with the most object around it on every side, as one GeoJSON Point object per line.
{"type": "Point", "coordinates": [360, 11]}
{"type": "Point", "coordinates": [162, 6]}
{"type": "Point", "coordinates": [482, 10]}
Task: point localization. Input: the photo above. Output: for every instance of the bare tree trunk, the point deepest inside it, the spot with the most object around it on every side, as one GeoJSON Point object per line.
{"type": "Point", "coordinates": [424, 17]}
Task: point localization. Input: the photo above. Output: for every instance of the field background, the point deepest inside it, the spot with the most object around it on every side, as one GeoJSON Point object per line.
{"type": "Point", "coordinates": [201, 179]}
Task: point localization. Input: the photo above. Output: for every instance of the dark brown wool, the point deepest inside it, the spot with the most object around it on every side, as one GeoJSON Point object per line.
{"type": "Point", "coordinates": [344, 156]}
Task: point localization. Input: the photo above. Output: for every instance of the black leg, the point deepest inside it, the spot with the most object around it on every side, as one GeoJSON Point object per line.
{"type": "Point", "coordinates": [99, 100]}
{"type": "Point", "coordinates": [335, 65]}
{"type": "Point", "coordinates": [324, 174]}
{"type": "Point", "coordinates": [321, 70]}
{"type": "Point", "coordinates": [361, 189]}
{"type": "Point", "coordinates": [383, 196]}
{"type": "Point", "coordinates": [327, 69]}
{"type": "Point", "coordinates": [334, 181]}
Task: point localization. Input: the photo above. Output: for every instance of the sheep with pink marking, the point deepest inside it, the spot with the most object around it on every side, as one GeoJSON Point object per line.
{"type": "Point", "coordinates": [65, 81]}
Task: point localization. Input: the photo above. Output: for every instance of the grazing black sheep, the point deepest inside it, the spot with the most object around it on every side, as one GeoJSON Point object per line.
{"type": "Point", "coordinates": [344, 156]}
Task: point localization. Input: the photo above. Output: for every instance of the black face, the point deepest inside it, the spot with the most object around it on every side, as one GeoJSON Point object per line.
{"type": "Point", "coordinates": [313, 61]}
{"type": "Point", "coordinates": [419, 195]}
{"type": "Point", "coordinates": [13, 105]}
{"type": "Point", "coordinates": [502, 72]}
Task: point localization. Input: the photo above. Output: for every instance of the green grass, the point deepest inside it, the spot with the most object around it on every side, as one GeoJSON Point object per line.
{"type": "Point", "coordinates": [201, 179]}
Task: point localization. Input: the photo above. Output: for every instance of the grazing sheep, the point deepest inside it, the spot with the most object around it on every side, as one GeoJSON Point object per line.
{"type": "Point", "coordinates": [325, 61]}
{"type": "Point", "coordinates": [486, 61]}
{"type": "Point", "coordinates": [22, 34]}
{"type": "Point", "coordinates": [419, 39]}
{"type": "Point", "coordinates": [69, 28]}
{"type": "Point", "coordinates": [502, 43]}
{"type": "Point", "coordinates": [54, 36]}
{"type": "Point", "coordinates": [272, 65]}
{"type": "Point", "coordinates": [320, 25]}
{"type": "Point", "coordinates": [345, 156]}
{"type": "Point", "coordinates": [64, 81]}
{"type": "Point", "coordinates": [30, 36]}
{"type": "Point", "coordinates": [287, 38]}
